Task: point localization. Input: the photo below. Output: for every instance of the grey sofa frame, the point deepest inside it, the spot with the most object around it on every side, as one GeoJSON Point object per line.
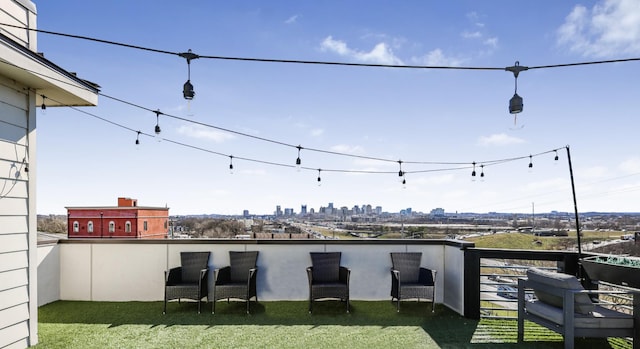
{"type": "Point", "coordinates": [568, 327]}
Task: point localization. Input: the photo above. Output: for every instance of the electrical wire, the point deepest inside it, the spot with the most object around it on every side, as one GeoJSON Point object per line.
{"type": "Point", "coordinates": [294, 61]}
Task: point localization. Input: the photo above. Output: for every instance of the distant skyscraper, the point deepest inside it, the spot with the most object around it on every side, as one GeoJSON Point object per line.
{"type": "Point", "coordinates": [303, 209]}
{"type": "Point", "coordinates": [278, 211]}
{"type": "Point", "coordinates": [245, 213]}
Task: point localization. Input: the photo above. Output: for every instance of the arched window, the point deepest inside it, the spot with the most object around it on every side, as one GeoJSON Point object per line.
{"type": "Point", "coordinates": [112, 227]}
{"type": "Point", "coordinates": [127, 227]}
{"type": "Point", "coordinates": [76, 227]}
{"type": "Point", "coordinates": [90, 227]}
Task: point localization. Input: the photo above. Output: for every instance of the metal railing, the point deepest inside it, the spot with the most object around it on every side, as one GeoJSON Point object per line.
{"type": "Point", "coordinates": [490, 277]}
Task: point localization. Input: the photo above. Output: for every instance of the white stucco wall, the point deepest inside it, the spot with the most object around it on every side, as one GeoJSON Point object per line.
{"type": "Point", "coordinates": [134, 270]}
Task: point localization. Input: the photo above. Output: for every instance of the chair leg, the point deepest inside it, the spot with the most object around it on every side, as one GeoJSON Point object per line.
{"type": "Point", "coordinates": [398, 304]}
{"type": "Point", "coordinates": [347, 305]}
{"type": "Point", "coordinates": [213, 306]}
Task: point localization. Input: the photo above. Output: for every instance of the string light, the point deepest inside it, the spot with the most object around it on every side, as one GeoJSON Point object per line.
{"type": "Point", "coordinates": [516, 102]}
{"type": "Point", "coordinates": [187, 90]}
{"type": "Point", "coordinates": [473, 172]}
{"type": "Point", "coordinates": [400, 173]}
{"type": "Point", "coordinates": [311, 149]}
{"type": "Point", "coordinates": [489, 162]}
{"type": "Point", "coordinates": [157, 129]}
{"type": "Point", "coordinates": [319, 179]}
{"type": "Point", "coordinates": [530, 163]}
{"type": "Point", "coordinates": [231, 164]}
{"type": "Point", "coordinates": [138, 139]}
{"type": "Point", "coordinates": [404, 182]}
{"type": "Point", "coordinates": [482, 173]}
{"type": "Point", "coordinates": [43, 107]}
{"type": "Point", "coordinates": [298, 161]}
{"type": "Point", "coordinates": [556, 157]}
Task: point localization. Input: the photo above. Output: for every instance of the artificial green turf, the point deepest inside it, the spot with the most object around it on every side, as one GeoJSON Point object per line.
{"type": "Point", "coordinates": [66, 324]}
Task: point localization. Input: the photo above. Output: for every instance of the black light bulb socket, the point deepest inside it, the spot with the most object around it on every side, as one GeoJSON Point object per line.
{"type": "Point", "coordinates": [516, 104]}
{"type": "Point", "coordinates": [187, 90]}
{"type": "Point", "coordinates": [157, 130]}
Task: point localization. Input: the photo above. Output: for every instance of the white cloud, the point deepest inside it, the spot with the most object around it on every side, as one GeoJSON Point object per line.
{"type": "Point", "coordinates": [631, 165]}
{"type": "Point", "coordinates": [475, 19]}
{"type": "Point", "coordinates": [611, 27]}
{"type": "Point", "coordinates": [317, 132]}
{"type": "Point", "coordinates": [205, 133]}
{"type": "Point", "coordinates": [499, 139]}
{"type": "Point", "coordinates": [438, 58]}
{"type": "Point", "coordinates": [432, 180]}
{"type": "Point", "coordinates": [471, 35]}
{"type": "Point", "coordinates": [349, 149]}
{"type": "Point", "coordinates": [554, 184]}
{"type": "Point", "coordinates": [493, 42]}
{"type": "Point", "coordinates": [291, 19]}
{"type": "Point", "coordinates": [380, 54]}
{"type": "Point", "coordinates": [595, 172]}
{"type": "Point", "coordinates": [257, 172]}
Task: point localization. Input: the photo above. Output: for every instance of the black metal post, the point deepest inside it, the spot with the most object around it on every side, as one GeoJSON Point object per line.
{"type": "Point", "coordinates": [575, 208]}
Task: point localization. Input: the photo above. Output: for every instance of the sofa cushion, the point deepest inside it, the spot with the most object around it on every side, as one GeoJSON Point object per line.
{"type": "Point", "coordinates": [583, 303]}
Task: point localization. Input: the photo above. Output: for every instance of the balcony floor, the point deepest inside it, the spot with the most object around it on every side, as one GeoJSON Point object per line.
{"type": "Point", "coordinates": [67, 324]}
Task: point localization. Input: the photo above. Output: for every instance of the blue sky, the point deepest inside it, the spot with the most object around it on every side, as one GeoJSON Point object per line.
{"type": "Point", "coordinates": [412, 115]}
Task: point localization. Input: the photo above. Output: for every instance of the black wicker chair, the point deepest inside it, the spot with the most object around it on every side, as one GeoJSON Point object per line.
{"type": "Point", "coordinates": [188, 281]}
{"type": "Point", "coordinates": [238, 280]}
{"type": "Point", "coordinates": [327, 279]}
{"type": "Point", "coordinates": [409, 280]}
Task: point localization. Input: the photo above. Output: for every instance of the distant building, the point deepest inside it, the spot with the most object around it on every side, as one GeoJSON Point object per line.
{"type": "Point", "coordinates": [127, 220]}
{"type": "Point", "coordinates": [437, 212]}
{"type": "Point", "coordinates": [245, 213]}
{"type": "Point", "coordinates": [278, 212]}
{"type": "Point", "coordinates": [288, 212]}
{"type": "Point", "coordinates": [303, 210]}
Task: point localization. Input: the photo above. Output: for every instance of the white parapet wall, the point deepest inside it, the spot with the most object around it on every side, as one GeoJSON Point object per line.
{"type": "Point", "coordinates": [133, 270]}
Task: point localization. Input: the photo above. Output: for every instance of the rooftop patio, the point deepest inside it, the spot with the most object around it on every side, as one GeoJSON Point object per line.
{"type": "Point", "coordinates": [108, 293]}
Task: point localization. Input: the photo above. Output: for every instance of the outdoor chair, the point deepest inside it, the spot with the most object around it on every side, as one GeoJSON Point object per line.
{"type": "Point", "coordinates": [188, 281]}
{"type": "Point", "coordinates": [409, 280]}
{"type": "Point", "coordinates": [564, 306]}
{"type": "Point", "coordinates": [238, 280]}
{"type": "Point", "coordinates": [327, 279]}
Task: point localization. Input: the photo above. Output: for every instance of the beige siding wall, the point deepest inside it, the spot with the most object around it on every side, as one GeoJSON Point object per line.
{"type": "Point", "coordinates": [18, 13]}
{"type": "Point", "coordinates": [15, 220]}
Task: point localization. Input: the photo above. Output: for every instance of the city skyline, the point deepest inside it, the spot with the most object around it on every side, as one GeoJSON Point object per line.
{"type": "Point", "coordinates": [355, 127]}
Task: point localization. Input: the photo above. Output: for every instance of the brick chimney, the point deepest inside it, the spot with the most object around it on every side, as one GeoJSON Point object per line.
{"type": "Point", "coordinates": [127, 202]}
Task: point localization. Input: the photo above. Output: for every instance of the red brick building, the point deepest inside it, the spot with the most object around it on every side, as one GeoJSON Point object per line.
{"type": "Point", "coordinates": [127, 220]}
